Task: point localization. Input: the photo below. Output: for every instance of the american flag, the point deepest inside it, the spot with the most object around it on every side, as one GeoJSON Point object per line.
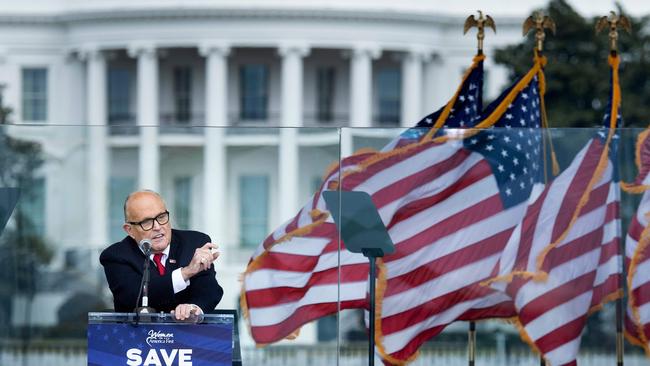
{"type": "Point", "coordinates": [450, 219]}
{"type": "Point", "coordinates": [293, 276]}
{"type": "Point", "coordinates": [462, 111]}
{"type": "Point", "coordinates": [562, 262]}
{"type": "Point", "coordinates": [637, 253]}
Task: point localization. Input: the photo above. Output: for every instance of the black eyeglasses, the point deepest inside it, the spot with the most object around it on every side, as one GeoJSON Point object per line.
{"type": "Point", "coordinates": [147, 224]}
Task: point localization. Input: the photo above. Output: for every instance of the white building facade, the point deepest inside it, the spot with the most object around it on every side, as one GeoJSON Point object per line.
{"type": "Point", "coordinates": [183, 98]}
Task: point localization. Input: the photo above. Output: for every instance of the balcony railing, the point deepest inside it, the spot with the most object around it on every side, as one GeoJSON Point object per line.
{"type": "Point", "coordinates": [271, 118]}
{"type": "Point", "coordinates": [172, 122]}
{"type": "Point", "coordinates": [122, 124]}
{"type": "Point", "coordinates": [314, 119]}
{"type": "Point", "coordinates": [169, 122]}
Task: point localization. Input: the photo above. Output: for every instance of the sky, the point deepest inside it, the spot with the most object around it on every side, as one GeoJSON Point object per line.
{"type": "Point", "coordinates": [514, 8]}
{"type": "Point", "coordinates": [518, 7]}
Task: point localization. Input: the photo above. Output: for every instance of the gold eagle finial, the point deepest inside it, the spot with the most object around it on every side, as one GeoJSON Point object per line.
{"type": "Point", "coordinates": [480, 23]}
{"type": "Point", "coordinates": [539, 21]}
{"type": "Point", "coordinates": [613, 22]}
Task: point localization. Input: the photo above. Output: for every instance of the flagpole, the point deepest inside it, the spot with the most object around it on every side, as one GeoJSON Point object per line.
{"type": "Point", "coordinates": [471, 338]}
{"type": "Point", "coordinates": [539, 22]}
{"type": "Point", "coordinates": [480, 23]}
{"type": "Point", "coordinates": [612, 23]}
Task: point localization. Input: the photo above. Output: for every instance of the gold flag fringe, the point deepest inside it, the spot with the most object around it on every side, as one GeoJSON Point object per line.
{"type": "Point", "coordinates": [637, 257]}
{"type": "Point", "coordinates": [636, 187]}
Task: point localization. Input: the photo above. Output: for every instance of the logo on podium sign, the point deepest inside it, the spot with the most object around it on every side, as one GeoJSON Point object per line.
{"type": "Point", "coordinates": [160, 344]}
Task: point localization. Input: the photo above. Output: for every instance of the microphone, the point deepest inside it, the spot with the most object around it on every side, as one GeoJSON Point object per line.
{"type": "Point", "coordinates": [145, 246]}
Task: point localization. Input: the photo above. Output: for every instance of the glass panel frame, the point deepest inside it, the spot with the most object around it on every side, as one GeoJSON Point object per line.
{"type": "Point", "coordinates": [66, 216]}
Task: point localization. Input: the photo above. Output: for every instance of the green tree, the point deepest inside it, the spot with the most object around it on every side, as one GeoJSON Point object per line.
{"type": "Point", "coordinates": [577, 72]}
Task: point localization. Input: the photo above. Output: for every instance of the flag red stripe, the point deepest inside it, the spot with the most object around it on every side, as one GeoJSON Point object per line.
{"type": "Point", "coordinates": [293, 225]}
{"type": "Point", "coordinates": [609, 287]}
{"type": "Point", "coordinates": [480, 211]}
{"type": "Point", "coordinates": [557, 296]}
{"type": "Point", "coordinates": [404, 186]}
{"type": "Point", "coordinates": [636, 228]}
{"type": "Point", "coordinates": [354, 179]}
{"type": "Point", "coordinates": [304, 314]}
{"type": "Point", "coordinates": [414, 344]}
{"type": "Point", "coordinates": [281, 295]}
{"type": "Point", "coordinates": [473, 175]}
{"type": "Point", "coordinates": [504, 309]}
{"type": "Point", "coordinates": [576, 189]}
{"type": "Point", "coordinates": [527, 231]}
{"type": "Point", "coordinates": [597, 198]}
{"type": "Point", "coordinates": [574, 249]}
{"type": "Point", "coordinates": [642, 294]}
{"type": "Point", "coordinates": [397, 322]}
{"type": "Point", "coordinates": [562, 335]}
{"type": "Point", "coordinates": [448, 263]}
{"type": "Point", "coordinates": [289, 262]}
{"type": "Point", "coordinates": [609, 250]}
{"type": "Point", "coordinates": [632, 329]}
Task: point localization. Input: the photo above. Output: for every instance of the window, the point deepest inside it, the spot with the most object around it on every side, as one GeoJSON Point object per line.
{"type": "Point", "coordinates": [119, 111]}
{"type": "Point", "coordinates": [389, 95]}
{"type": "Point", "coordinates": [120, 187]}
{"type": "Point", "coordinates": [182, 201]}
{"type": "Point", "coordinates": [325, 83]}
{"type": "Point", "coordinates": [183, 93]}
{"type": "Point", "coordinates": [253, 85]}
{"type": "Point", "coordinates": [253, 203]}
{"type": "Point", "coordinates": [34, 94]}
{"type": "Point", "coordinates": [32, 208]}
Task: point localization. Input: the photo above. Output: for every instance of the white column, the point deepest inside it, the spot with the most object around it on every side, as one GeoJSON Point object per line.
{"type": "Point", "coordinates": [431, 100]}
{"type": "Point", "coordinates": [148, 158]}
{"type": "Point", "coordinates": [214, 149]}
{"type": "Point", "coordinates": [291, 115]}
{"type": "Point", "coordinates": [97, 146]}
{"type": "Point", "coordinates": [411, 88]}
{"type": "Point", "coordinates": [292, 84]}
{"type": "Point", "coordinates": [361, 85]}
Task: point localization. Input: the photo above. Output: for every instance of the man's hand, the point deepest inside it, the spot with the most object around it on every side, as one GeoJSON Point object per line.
{"type": "Point", "coordinates": [202, 260]}
{"type": "Point", "coordinates": [186, 311]}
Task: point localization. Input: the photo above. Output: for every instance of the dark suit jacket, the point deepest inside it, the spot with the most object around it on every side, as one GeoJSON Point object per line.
{"type": "Point", "coordinates": [123, 265]}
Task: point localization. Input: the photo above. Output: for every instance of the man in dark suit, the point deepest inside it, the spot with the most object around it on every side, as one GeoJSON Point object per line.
{"type": "Point", "coordinates": [182, 277]}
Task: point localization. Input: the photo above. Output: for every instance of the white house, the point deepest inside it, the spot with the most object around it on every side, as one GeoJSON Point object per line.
{"type": "Point", "coordinates": [231, 109]}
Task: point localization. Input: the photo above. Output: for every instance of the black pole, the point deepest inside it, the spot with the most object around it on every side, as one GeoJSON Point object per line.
{"type": "Point", "coordinates": [371, 319]}
{"type": "Point", "coordinates": [620, 314]}
{"type": "Point", "coordinates": [472, 343]}
{"type": "Point", "coordinates": [541, 361]}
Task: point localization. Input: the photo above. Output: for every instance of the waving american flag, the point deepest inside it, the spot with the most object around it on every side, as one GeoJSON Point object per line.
{"type": "Point", "coordinates": [293, 276]}
{"type": "Point", "coordinates": [562, 262]}
{"type": "Point", "coordinates": [451, 217]}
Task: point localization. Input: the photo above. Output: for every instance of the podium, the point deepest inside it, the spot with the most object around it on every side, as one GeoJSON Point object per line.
{"type": "Point", "coordinates": [159, 339]}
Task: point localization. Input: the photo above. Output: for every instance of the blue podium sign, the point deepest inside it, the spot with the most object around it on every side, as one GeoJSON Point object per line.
{"type": "Point", "coordinates": [159, 341]}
